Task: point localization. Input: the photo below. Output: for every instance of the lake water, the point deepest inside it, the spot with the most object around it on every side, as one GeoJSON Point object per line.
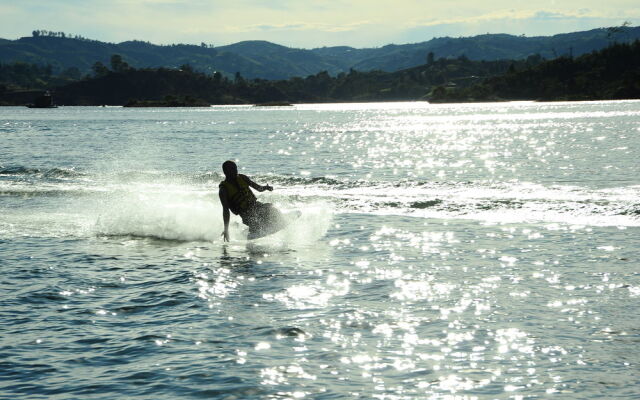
{"type": "Point", "coordinates": [483, 251]}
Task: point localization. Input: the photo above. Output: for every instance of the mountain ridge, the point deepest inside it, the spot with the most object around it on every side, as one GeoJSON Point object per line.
{"type": "Point", "coordinates": [267, 60]}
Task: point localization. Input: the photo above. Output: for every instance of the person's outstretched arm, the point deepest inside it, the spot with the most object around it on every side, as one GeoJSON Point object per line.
{"type": "Point", "coordinates": [256, 186]}
{"type": "Point", "coordinates": [226, 216]}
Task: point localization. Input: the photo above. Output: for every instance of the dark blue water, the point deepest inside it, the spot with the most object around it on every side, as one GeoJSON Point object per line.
{"type": "Point", "coordinates": [449, 251]}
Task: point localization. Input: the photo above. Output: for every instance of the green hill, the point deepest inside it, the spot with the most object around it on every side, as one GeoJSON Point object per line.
{"type": "Point", "coordinates": [125, 85]}
{"type": "Point", "coordinates": [609, 74]}
{"type": "Point", "coordinates": [265, 60]}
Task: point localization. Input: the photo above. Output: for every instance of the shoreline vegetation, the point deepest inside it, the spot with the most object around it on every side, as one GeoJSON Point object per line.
{"type": "Point", "coordinates": [169, 101]}
{"type": "Point", "coordinates": [612, 73]}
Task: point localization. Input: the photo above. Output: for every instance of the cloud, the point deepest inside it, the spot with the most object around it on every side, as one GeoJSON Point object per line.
{"type": "Point", "coordinates": [550, 15]}
{"type": "Point", "coordinates": [293, 27]}
{"type": "Point", "coordinates": [518, 15]}
{"type": "Point", "coordinates": [360, 23]}
{"type": "Point", "coordinates": [300, 27]}
{"type": "Point", "coordinates": [512, 21]}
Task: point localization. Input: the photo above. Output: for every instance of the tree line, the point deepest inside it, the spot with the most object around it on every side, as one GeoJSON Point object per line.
{"type": "Point", "coordinates": [119, 83]}
{"type": "Point", "coordinates": [45, 33]}
{"type": "Point", "coordinates": [610, 73]}
{"type": "Point", "coordinates": [20, 76]}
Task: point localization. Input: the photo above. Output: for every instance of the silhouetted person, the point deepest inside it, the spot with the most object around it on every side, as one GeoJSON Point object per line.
{"type": "Point", "coordinates": [236, 195]}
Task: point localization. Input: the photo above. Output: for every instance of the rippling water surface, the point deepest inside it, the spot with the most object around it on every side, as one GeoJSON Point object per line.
{"type": "Point", "coordinates": [444, 252]}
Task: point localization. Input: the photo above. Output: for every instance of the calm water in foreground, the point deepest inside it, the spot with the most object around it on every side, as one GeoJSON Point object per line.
{"type": "Point", "coordinates": [444, 252]}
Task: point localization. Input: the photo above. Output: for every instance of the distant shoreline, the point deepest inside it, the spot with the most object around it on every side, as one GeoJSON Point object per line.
{"type": "Point", "coordinates": [336, 103]}
{"type": "Point", "coordinates": [609, 74]}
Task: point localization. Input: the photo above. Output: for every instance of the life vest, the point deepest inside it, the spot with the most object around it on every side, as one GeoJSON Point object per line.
{"type": "Point", "coordinates": [240, 197]}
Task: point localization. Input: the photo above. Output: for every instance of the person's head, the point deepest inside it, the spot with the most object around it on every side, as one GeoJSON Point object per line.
{"type": "Point", "coordinates": [230, 169]}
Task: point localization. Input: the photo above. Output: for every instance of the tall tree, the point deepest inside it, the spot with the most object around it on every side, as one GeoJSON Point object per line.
{"type": "Point", "coordinates": [430, 58]}
{"type": "Point", "coordinates": [118, 64]}
{"type": "Point", "coordinates": [99, 69]}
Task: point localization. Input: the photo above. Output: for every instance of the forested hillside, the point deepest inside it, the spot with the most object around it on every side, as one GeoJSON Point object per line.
{"type": "Point", "coordinates": [611, 73]}
{"type": "Point", "coordinates": [67, 54]}
{"type": "Point", "coordinates": [123, 84]}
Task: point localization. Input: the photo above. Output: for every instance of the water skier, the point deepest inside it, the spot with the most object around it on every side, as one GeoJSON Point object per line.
{"type": "Point", "coordinates": [236, 195]}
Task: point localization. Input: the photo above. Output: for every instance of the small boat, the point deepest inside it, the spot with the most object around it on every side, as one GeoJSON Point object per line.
{"type": "Point", "coordinates": [44, 101]}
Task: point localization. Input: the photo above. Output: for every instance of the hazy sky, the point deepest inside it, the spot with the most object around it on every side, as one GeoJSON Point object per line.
{"type": "Point", "coordinates": [310, 23]}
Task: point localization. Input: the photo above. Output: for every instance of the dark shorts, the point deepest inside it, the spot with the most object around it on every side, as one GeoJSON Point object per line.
{"type": "Point", "coordinates": [262, 218]}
